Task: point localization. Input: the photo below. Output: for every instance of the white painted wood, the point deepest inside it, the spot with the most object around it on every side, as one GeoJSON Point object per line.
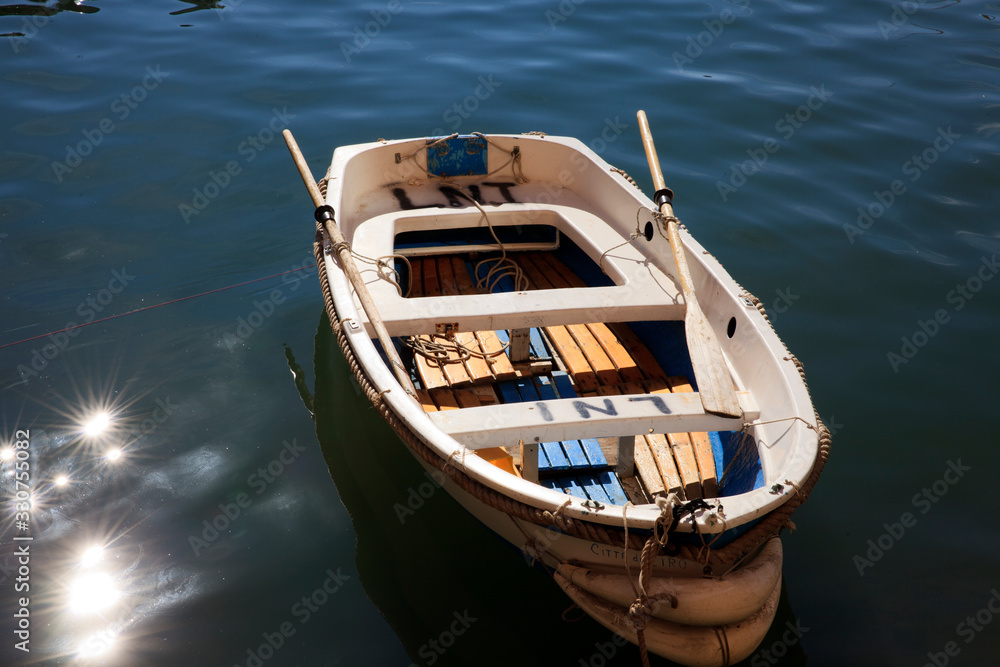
{"type": "Point", "coordinates": [520, 345]}
{"type": "Point", "coordinates": [626, 456]}
{"type": "Point", "coordinates": [642, 292]}
{"type": "Point", "coordinates": [529, 461]}
{"type": "Point", "coordinates": [592, 417]}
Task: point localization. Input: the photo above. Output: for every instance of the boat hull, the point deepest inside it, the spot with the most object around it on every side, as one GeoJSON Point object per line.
{"type": "Point", "coordinates": [721, 565]}
{"type": "Point", "coordinates": [737, 607]}
{"type": "Point", "coordinates": [695, 646]}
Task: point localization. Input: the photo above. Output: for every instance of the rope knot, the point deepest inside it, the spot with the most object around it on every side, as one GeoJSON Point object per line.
{"type": "Point", "coordinates": [638, 615]}
{"type": "Point", "coordinates": [562, 522]}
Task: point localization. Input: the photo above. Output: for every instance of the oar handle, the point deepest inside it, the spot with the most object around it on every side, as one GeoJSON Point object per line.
{"type": "Point", "coordinates": [304, 171]}
{"type": "Point", "coordinates": [663, 196]}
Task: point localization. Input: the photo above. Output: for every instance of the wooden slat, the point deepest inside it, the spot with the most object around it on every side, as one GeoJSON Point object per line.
{"type": "Point", "coordinates": [432, 286]}
{"type": "Point", "coordinates": [486, 394]}
{"type": "Point", "coordinates": [453, 370]}
{"type": "Point", "coordinates": [594, 452]}
{"type": "Point", "coordinates": [466, 397]}
{"type": "Point", "coordinates": [475, 366]}
{"type": "Point", "coordinates": [498, 364]}
{"type": "Point", "coordinates": [463, 279]}
{"type": "Point", "coordinates": [538, 347]}
{"type": "Point", "coordinates": [556, 457]}
{"type": "Point", "coordinates": [445, 276]}
{"type": "Point", "coordinates": [574, 358]}
{"type": "Point", "coordinates": [687, 464]}
{"type": "Point", "coordinates": [613, 487]}
{"type": "Point", "coordinates": [445, 399]}
{"type": "Point", "coordinates": [601, 365]}
{"type": "Point", "coordinates": [558, 275]}
{"type": "Point", "coordinates": [544, 387]}
{"type": "Point", "coordinates": [645, 360]}
{"type": "Point", "coordinates": [573, 487]}
{"type": "Point", "coordinates": [594, 488]}
{"type": "Point", "coordinates": [553, 483]}
{"type": "Point", "coordinates": [619, 356]}
{"type": "Point", "coordinates": [666, 463]}
{"type": "Point", "coordinates": [615, 351]}
{"type": "Point", "coordinates": [566, 345]}
{"type": "Point", "coordinates": [431, 375]}
{"type": "Point", "coordinates": [645, 465]}
{"type": "Point", "coordinates": [531, 269]}
{"type": "Point", "coordinates": [416, 278]}
{"type": "Point", "coordinates": [574, 452]}
{"type": "Point", "coordinates": [426, 402]}
{"type": "Point", "coordinates": [681, 451]}
{"type": "Point", "coordinates": [634, 491]}
{"type": "Point", "coordinates": [604, 369]}
{"type": "Point", "coordinates": [701, 445]}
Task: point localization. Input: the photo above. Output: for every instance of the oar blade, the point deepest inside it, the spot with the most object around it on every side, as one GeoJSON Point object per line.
{"type": "Point", "coordinates": [715, 384]}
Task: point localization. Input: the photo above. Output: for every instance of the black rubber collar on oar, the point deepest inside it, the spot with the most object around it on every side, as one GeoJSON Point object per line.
{"type": "Point", "coordinates": [664, 196]}
{"type": "Point", "coordinates": [324, 213]}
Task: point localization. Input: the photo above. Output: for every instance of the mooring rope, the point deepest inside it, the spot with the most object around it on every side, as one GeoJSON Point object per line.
{"type": "Point", "coordinates": [156, 305]}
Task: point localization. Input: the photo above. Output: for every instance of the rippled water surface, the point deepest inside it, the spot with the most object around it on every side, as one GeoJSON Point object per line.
{"type": "Point", "coordinates": [839, 158]}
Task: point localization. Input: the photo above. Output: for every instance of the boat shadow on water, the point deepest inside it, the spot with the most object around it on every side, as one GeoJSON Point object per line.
{"type": "Point", "coordinates": [453, 591]}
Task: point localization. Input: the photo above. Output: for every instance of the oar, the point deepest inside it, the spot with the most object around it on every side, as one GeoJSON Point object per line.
{"type": "Point", "coordinates": [715, 384]}
{"type": "Point", "coordinates": [347, 261]}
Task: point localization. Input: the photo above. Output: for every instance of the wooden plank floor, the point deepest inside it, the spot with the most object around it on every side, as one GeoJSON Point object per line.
{"type": "Point", "coordinates": [448, 275]}
{"type": "Point", "coordinates": [603, 359]}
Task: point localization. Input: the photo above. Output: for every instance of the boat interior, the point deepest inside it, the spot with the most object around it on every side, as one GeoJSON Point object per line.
{"type": "Point", "coordinates": [459, 367]}
{"type": "Point", "coordinates": [533, 332]}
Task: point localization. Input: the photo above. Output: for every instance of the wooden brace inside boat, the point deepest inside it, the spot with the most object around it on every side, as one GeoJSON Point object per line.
{"type": "Point", "coordinates": [638, 294]}
{"type": "Point", "coordinates": [596, 417]}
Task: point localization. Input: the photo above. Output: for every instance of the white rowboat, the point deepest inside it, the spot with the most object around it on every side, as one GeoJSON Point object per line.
{"type": "Point", "coordinates": [513, 307]}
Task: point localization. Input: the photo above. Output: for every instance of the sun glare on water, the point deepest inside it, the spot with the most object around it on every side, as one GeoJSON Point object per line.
{"type": "Point", "coordinates": [97, 424]}
{"type": "Point", "coordinates": [92, 593]}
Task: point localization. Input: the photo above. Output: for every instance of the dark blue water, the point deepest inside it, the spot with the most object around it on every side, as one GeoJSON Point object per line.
{"type": "Point", "coordinates": [840, 159]}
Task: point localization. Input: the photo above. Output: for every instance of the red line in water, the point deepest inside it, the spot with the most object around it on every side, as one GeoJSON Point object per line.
{"type": "Point", "coordinates": [165, 303]}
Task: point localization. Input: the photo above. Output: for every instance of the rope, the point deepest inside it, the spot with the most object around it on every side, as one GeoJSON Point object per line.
{"type": "Point", "coordinates": [515, 160]}
{"type": "Point", "coordinates": [625, 175]}
{"type": "Point", "coordinates": [632, 237]}
{"type": "Point", "coordinates": [445, 353]}
{"type": "Point", "coordinates": [503, 267]}
{"type": "Point", "coordinates": [713, 561]}
{"type": "Point", "coordinates": [642, 609]}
